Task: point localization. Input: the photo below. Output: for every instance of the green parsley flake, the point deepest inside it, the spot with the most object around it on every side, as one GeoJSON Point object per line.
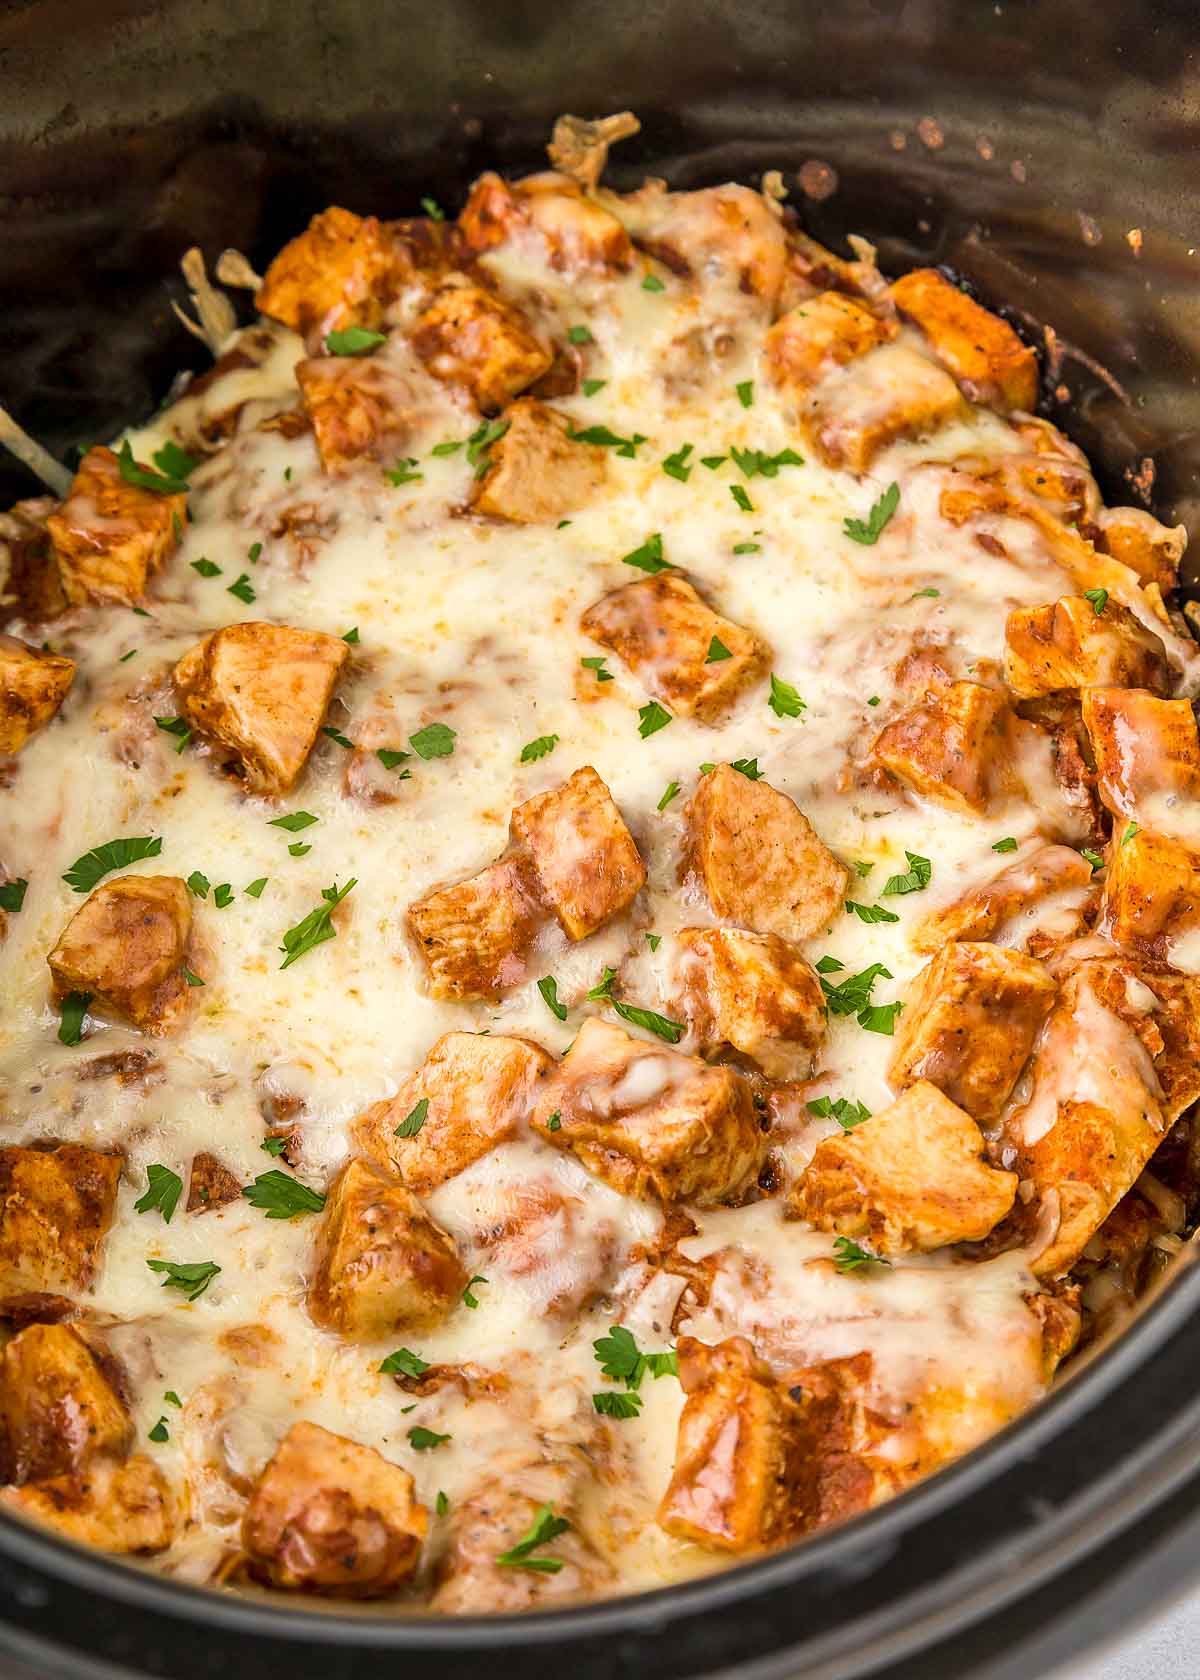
{"type": "Point", "coordinates": [223, 895]}
{"type": "Point", "coordinates": [589, 389]}
{"type": "Point", "coordinates": [450, 447]}
{"type": "Point", "coordinates": [717, 651]}
{"type": "Point", "coordinates": [1129, 833]}
{"type": "Point", "coordinates": [12, 894]}
{"type": "Point", "coordinates": [162, 484]}
{"type": "Point", "coordinates": [533, 750]}
{"type": "Point", "coordinates": [172, 1398]}
{"type": "Point", "coordinates": [336, 735]}
{"type": "Point", "coordinates": [164, 1190]}
{"type": "Point", "coordinates": [653, 718]}
{"type": "Point", "coordinates": [672, 790]}
{"type": "Point", "coordinates": [595, 662]}
{"type": "Point", "coordinates": [436, 740]}
{"type": "Point", "coordinates": [254, 890]}
{"type": "Point", "coordinates": [747, 548]}
{"type": "Point", "coordinates": [413, 1120]}
{"type": "Point", "coordinates": [745, 393]}
{"type": "Point", "coordinates": [294, 822]}
{"type": "Point", "coordinates": [404, 472]}
{"type": "Point", "coordinates": [480, 442]}
{"type": "Point", "coordinates": [174, 462]}
{"type": "Point", "coordinates": [675, 466]}
{"type": "Point", "coordinates": [179, 727]}
{"type": "Point", "coordinates": [660, 1025]}
{"type": "Point", "coordinates": [1098, 598]}
{"type": "Point", "coordinates": [280, 1196]}
{"type": "Point", "coordinates": [920, 594]}
{"type": "Point", "coordinates": [390, 757]}
{"type": "Point", "coordinates": [554, 1124]}
{"type": "Point", "coordinates": [870, 913]}
{"type": "Point", "coordinates": [404, 1363]}
{"type": "Point", "coordinates": [441, 1504]}
{"type": "Point", "coordinates": [160, 1432]}
{"type": "Point", "coordinates": [544, 1528]}
{"type": "Point", "coordinates": [468, 1299]}
{"type": "Point", "coordinates": [654, 940]}
{"type": "Point", "coordinates": [206, 568]}
{"type": "Point", "coordinates": [1008, 844]}
{"type": "Point", "coordinates": [846, 1112]}
{"type": "Point", "coordinates": [424, 1440]}
{"type": "Point", "coordinates": [197, 884]}
{"type": "Point", "coordinates": [756, 463]}
{"type": "Point", "coordinates": [254, 553]}
{"type": "Point", "coordinates": [649, 557]}
{"type": "Point", "coordinates": [351, 636]}
{"type": "Point", "coordinates": [741, 498]}
{"type": "Point", "coordinates": [242, 589]}
{"type": "Point", "coordinates": [273, 1146]}
{"type": "Point", "coordinates": [74, 1008]}
{"type": "Point", "coordinates": [1096, 859]}
{"type": "Point", "coordinates": [580, 335]}
{"type": "Point", "coordinates": [316, 927]}
{"type": "Point", "coordinates": [90, 869]}
{"type": "Point", "coordinates": [621, 1360]}
{"type": "Point", "coordinates": [651, 283]}
{"type": "Point", "coordinates": [353, 341]}
{"type": "Point", "coordinates": [915, 879]}
{"type": "Point", "coordinates": [603, 438]}
{"type": "Point", "coordinates": [299, 848]}
{"type": "Point", "coordinates": [192, 1277]}
{"type": "Point", "coordinates": [612, 1403]}
{"type": "Point", "coordinates": [712, 462]}
{"type": "Point", "coordinates": [869, 531]}
{"type": "Point", "coordinates": [848, 1256]}
{"type": "Point", "coordinates": [433, 210]}
{"type": "Point", "coordinates": [784, 700]}
{"type": "Point", "coordinates": [548, 987]}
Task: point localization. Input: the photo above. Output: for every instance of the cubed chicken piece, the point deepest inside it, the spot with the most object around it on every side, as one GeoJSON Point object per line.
{"type": "Point", "coordinates": [471, 337]}
{"type": "Point", "coordinates": [982, 351]}
{"type": "Point", "coordinates": [1068, 644]}
{"type": "Point", "coordinates": [956, 748]}
{"type": "Point", "coordinates": [1147, 755]}
{"type": "Point", "coordinates": [340, 272]}
{"type": "Point", "coordinates": [1138, 541]}
{"type": "Point", "coordinates": [122, 1507]}
{"type": "Point", "coordinates": [359, 407]}
{"type": "Point", "coordinates": [755, 992]}
{"type": "Point", "coordinates": [819, 336]}
{"type": "Point", "coordinates": [892, 394]}
{"type": "Point", "coordinates": [111, 536]}
{"type": "Point", "coordinates": [332, 1517]}
{"type": "Point", "coordinates": [476, 1088]}
{"type": "Point", "coordinates": [650, 1122]}
{"type": "Point", "coordinates": [30, 585]}
{"type": "Point", "coordinates": [475, 936]}
{"type": "Point", "coordinates": [548, 217]}
{"type": "Point", "coordinates": [56, 1206]}
{"type": "Point", "coordinates": [495, 1518]}
{"type": "Point", "coordinates": [1151, 891]}
{"type": "Point", "coordinates": [737, 1451]}
{"type": "Point", "coordinates": [756, 857]}
{"type": "Point", "coordinates": [1039, 878]}
{"type": "Point", "coordinates": [211, 1184]}
{"type": "Point", "coordinates": [33, 685]}
{"type": "Point", "coordinates": [58, 1408]}
{"type": "Point", "coordinates": [260, 690]}
{"type": "Point", "coordinates": [382, 1264]}
{"type": "Point", "coordinates": [973, 1015]}
{"type": "Point", "coordinates": [535, 472]}
{"type": "Point", "coordinates": [127, 948]}
{"type": "Point", "coordinates": [667, 634]}
{"type": "Point", "coordinates": [587, 864]}
{"type": "Point", "coordinates": [722, 238]}
{"type": "Point", "coordinates": [912, 1178]}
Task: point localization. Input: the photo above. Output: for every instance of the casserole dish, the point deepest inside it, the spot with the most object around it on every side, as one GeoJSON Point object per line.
{"type": "Point", "coordinates": [1094, 405]}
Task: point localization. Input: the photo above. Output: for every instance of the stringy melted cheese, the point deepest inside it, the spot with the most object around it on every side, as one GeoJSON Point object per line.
{"type": "Point", "coordinates": [474, 624]}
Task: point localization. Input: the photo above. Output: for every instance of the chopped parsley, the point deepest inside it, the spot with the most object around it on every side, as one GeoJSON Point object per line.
{"type": "Point", "coordinates": [848, 1256]}
{"type": "Point", "coordinates": [870, 913]}
{"type": "Point", "coordinates": [754, 463]}
{"type": "Point", "coordinates": [197, 884]}
{"type": "Point", "coordinates": [254, 890]}
{"type": "Point", "coordinates": [672, 790]}
{"type": "Point", "coordinates": [316, 927]}
{"type": "Point", "coordinates": [862, 868]}
{"type": "Point", "coordinates": [336, 735]}
{"type": "Point", "coordinates": [741, 498]}
{"type": "Point", "coordinates": [747, 767]}
{"type": "Point", "coordinates": [74, 1008]}
{"type": "Point", "coordinates": [621, 1360]}
{"type": "Point", "coordinates": [603, 438]}
{"type": "Point", "coordinates": [172, 1398]}
{"type": "Point", "coordinates": [784, 700]}
{"type": "Point", "coordinates": [660, 1025]}
{"type": "Point", "coordinates": [12, 894]}
{"type": "Point", "coordinates": [747, 548]}
{"type": "Point", "coordinates": [920, 594]}
{"type": "Point", "coordinates": [745, 393]}
{"type": "Point", "coordinates": [879, 1018]}
{"type": "Point", "coordinates": [830, 965]}
{"type": "Point", "coordinates": [554, 1124]}
{"type": "Point", "coordinates": [164, 1190]}
{"type": "Point", "coordinates": [404, 1363]}
{"type": "Point", "coordinates": [580, 335]}
{"type": "Point", "coordinates": [1098, 598]}
{"type": "Point", "coordinates": [206, 568]}
{"type": "Point", "coordinates": [1008, 844]}
{"type": "Point", "coordinates": [223, 896]}
{"type": "Point", "coordinates": [160, 1432]}
{"type": "Point", "coordinates": [869, 531]}
{"type": "Point", "coordinates": [612, 1403]}
{"type": "Point", "coordinates": [273, 1146]}
{"type": "Point", "coordinates": [132, 654]}
{"type": "Point", "coordinates": [589, 389]}
{"type": "Point", "coordinates": [174, 462]}
{"type": "Point", "coordinates": [280, 1196]}
{"type": "Point", "coordinates": [450, 447]}
{"type": "Point", "coordinates": [191, 1276]}
{"type": "Point", "coordinates": [716, 652]}
{"type": "Point", "coordinates": [844, 1110]}
{"type": "Point", "coordinates": [295, 821]}
{"type": "Point", "coordinates": [351, 636]}
{"type": "Point", "coordinates": [90, 869]}
{"type": "Point", "coordinates": [162, 484]}
{"type": "Point", "coordinates": [468, 1299]}
{"type": "Point", "coordinates": [353, 341]}
{"type": "Point", "coordinates": [915, 879]}
{"type": "Point", "coordinates": [649, 557]}
{"type": "Point", "coordinates": [1096, 859]}
{"type": "Point", "coordinates": [651, 283]}
{"type": "Point", "coordinates": [242, 589]}
{"type": "Point", "coordinates": [653, 718]}
{"type": "Point", "coordinates": [299, 848]}
{"type": "Point", "coordinates": [441, 1504]}
{"type": "Point", "coordinates": [413, 1120]}
{"type": "Point", "coordinates": [177, 726]}
{"type": "Point", "coordinates": [603, 987]}
{"type": "Point", "coordinates": [544, 1528]}
{"type": "Point", "coordinates": [595, 662]}
{"type": "Point", "coordinates": [433, 210]}
{"type": "Point", "coordinates": [676, 465]}
{"type": "Point", "coordinates": [254, 553]}
{"type": "Point", "coordinates": [533, 750]}
{"type": "Point", "coordinates": [853, 995]}
{"type": "Point", "coordinates": [712, 462]}
{"type": "Point", "coordinates": [390, 757]}
{"type": "Point", "coordinates": [405, 471]}
{"type": "Point", "coordinates": [1129, 833]}
{"type": "Point", "coordinates": [424, 1440]}
{"type": "Point", "coordinates": [654, 940]}
{"type": "Point", "coordinates": [436, 740]}
{"type": "Point", "coordinates": [548, 987]}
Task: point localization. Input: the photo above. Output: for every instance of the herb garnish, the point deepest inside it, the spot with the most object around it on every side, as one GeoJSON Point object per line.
{"type": "Point", "coordinates": [423, 1440]}
{"type": "Point", "coordinates": [755, 463]}
{"type": "Point", "coordinates": [223, 896]}
{"type": "Point", "coordinates": [603, 438]}
{"type": "Point", "coordinates": [192, 1276]}
{"type": "Point", "coordinates": [206, 568]}
{"type": "Point", "coordinates": [915, 879]}
{"type": "Point", "coordinates": [436, 740]}
{"type": "Point", "coordinates": [90, 869]}
{"type": "Point", "coordinates": [254, 890]}
{"type": "Point", "coordinates": [162, 484]}
{"type": "Point", "coordinates": [741, 498]}
{"type": "Point", "coordinates": [164, 1190]}
{"type": "Point", "coordinates": [469, 1300]}
{"type": "Point", "coordinates": [74, 1008]}
{"type": "Point", "coordinates": [353, 341]}
{"type": "Point", "coordinates": [595, 662]}
{"type": "Point", "coordinates": [651, 283]}
{"type": "Point", "coordinates": [649, 557]}
{"type": "Point", "coordinates": [544, 1527]}
{"type": "Point", "coordinates": [1129, 833]}
{"type": "Point", "coordinates": [533, 750]}
{"type": "Point", "coordinates": [870, 913]}
{"type": "Point", "coordinates": [160, 1432]}
{"type": "Point", "coordinates": [404, 472]}
{"type": "Point", "coordinates": [548, 987]}
{"type": "Point", "coordinates": [12, 894]}
{"type": "Point", "coordinates": [672, 790]}
{"type": "Point", "coordinates": [848, 1256]}
{"type": "Point", "coordinates": [869, 531]}
{"type": "Point", "coordinates": [336, 735]}
{"type": "Point", "coordinates": [242, 589]}
{"type": "Point", "coordinates": [784, 700]}
{"type": "Point", "coordinates": [590, 387]}
{"type": "Point", "coordinates": [404, 1363]}
{"type": "Point", "coordinates": [1098, 598]}
{"type": "Point", "coordinates": [480, 442]}
{"type": "Point", "coordinates": [174, 462]}
{"type": "Point", "coordinates": [675, 466]}
{"type": "Point", "coordinates": [1008, 844]}
{"type": "Point", "coordinates": [653, 718]}
{"type": "Point", "coordinates": [716, 652]}
{"type": "Point", "coordinates": [580, 335]}
{"type": "Point", "coordinates": [177, 726]}
{"type": "Point", "coordinates": [294, 822]}
{"type": "Point", "coordinates": [197, 884]}
{"type": "Point", "coordinates": [844, 1110]}
{"type": "Point", "coordinates": [1096, 859]}
{"type": "Point", "coordinates": [413, 1120]}
{"type": "Point", "coordinates": [621, 1360]}
{"type": "Point", "coordinates": [317, 926]}
{"type": "Point", "coordinates": [612, 1403]}
{"type": "Point", "coordinates": [280, 1196]}
{"type": "Point", "coordinates": [745, 393]}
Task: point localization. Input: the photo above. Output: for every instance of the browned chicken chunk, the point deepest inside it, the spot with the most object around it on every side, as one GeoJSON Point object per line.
{"type": "Point", "coordinates": [340, 272]}
{"type": "Point", "coordinates": [359, 407]}
{"type": "Point", "coordinates": [1147, 754]}
{"type": "Point", "coordinates": [648, 1121]}
{"type": "Point", "coordinates": [819, 336]}
{"type": "Point", "coordinates": [1137, 540]}
{"type": "Point", "coordinates": [59, 1409]}
{"type": "Point", "coordinates": [33, 685]}
{"type": "Point", "coordinates": [331, 1517]}
{"type": "Point", "coordinates": [548, 216]}
{"type": "Point", "coordinates": [892, 394]}
{"type": "Point", "coordinates": [755, 992]}
{"type": "Point", "coordinates": [980, 349]}
{"type": "Point", "coordinates": [472, 337]}
{"type": "Point", "coordinates": [587, 865]}
{"type": "Point", "coordinates": [685, 654]}
{"type": "Point", "coordinates": [473, 1092]}
{"type": "Point", "coordinates": [1034, 878]}
{"type": "Point", "coordinates": [910, 1179]}
{"type": "Point", "coordinates": [127, 948]}
{"type": "Point", "coordinates": [1151, 891]}
{"type": "Point", "coordinates": [956, 748]}
{"type": "Point", "coordinates": [1068, 644]}
{"type": "Point", "coordinates": [382, 1264]}
{"type": "Point", "coordinates": [475, 936]}
{"type": "Point", "coordinates": [756, 857]}
{"type": "Point", "coordinates": [123, 1507]}
{"type": "Point", "coordinates": [535, 471]}
{"type": "Point", "coordinates": [30, 584]}
{"type": "Point", "coordinates": [260, 690]}
{"type": "Point", "coordinates": [56, 1206]}
{"type": "Point", "coordinates": [111, 536]}
{"type": "Point", "coordinates": [973, 1015]}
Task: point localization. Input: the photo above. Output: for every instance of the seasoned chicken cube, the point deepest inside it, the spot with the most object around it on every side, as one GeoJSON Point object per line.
{"type": "Point", "coordinates": [340, 272]}
{"type": "Point", "coordinates": [358, 406]}
{"type": "Point", "coordinates": [756, 857]}
{"type": "Point", "coordinates": [891, 394]}
{"type": "Point", "coordinates": [261, 690]}
{"type": "Point", "coordinates": [535, 472]}
{"type": "Point", "coordinates": [1138, 541]}
{"type": "Point", "coordinates": [56, 1206]}
{"type": "Point", "coordinates": [737, 1454]}
{"type": "Point", "coordinates": [668, 635]}
{"type": "Point", "coordinates": [472, 337]}
{"type": "Point", "coordinates": [111, 536]}
{"type": "Point", "coordinates": [57, 1407]}
{"type": "Point", "coordinates": [956, 748]}
{"type": "Point", "coordinates": [548, 217]}
{"type": "Point", "coordinates": [123, 1507]}
{"type": "Point", "coordinates": [650, 1122]}
{"type": "Point", "coordinates": [755, 992]}
{"type": "Point", "coordinates": [722, 238]}
{"type": "Point", "coordinates": [820, 335]}
{"type": "Point", "coordinates": [1068, 644]}
{"type": "Point", "coordinates": [475, 936]}
{"type": "Point", "coordinates": [127, 948]}
{"type": "Point", "coordinates": [1151, 891]}
{"type": "Point", "coordinates": [382, 1264]}
{"type": "Point", "coordinates": [33, 685]}
{"type": "Point", "coordinates": [211, 1184]}
{"type": "Point", "coordinates": [29, 578]}
{"type": "Point", "coordinates": [330, 1516]}
{"type": "Point", "coordinates": [910, 1179]}
{"type": "Point", "coordinates": [970, 1025]}
{"type": "Point", "coordinates": [1147, 754]}
{"type": "Point", "coordinates": [1037, 878]}
{"type": "Point", "coordinates": [587, 864]}
{"type": "Point", "coordinates": [495, 1518]}
{"type": "Point", "coordinates": [980, 349]}
{"type": "Point", "coordinates": [474, 1090]}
